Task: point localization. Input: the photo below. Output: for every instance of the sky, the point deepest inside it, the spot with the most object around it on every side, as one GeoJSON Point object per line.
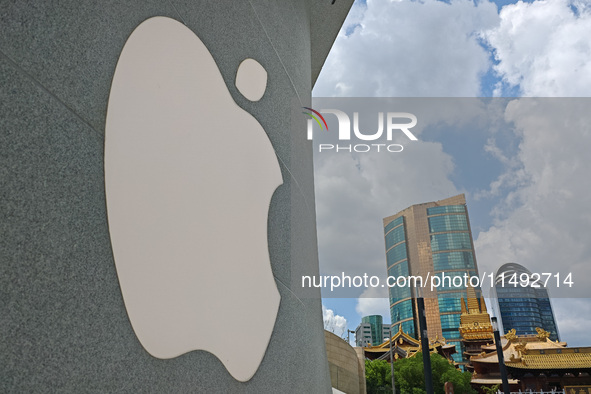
{"type": "Point", "coordinates": [525, 179]}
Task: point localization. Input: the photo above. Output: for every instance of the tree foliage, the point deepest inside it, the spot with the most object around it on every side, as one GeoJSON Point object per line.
{"type": "Point", "coordinates": [378, 377]}
{"type": "Point", "coordinates": [490, 390]}
{"type": "Point", "coordinates": [410, 379]}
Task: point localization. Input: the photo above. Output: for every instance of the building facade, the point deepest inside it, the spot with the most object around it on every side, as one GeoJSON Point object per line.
{"type": "Point", "coordinates": [386, 332]}
{"type": "Point", "coordinates": [431, 240]}
{"type": "Point", "coordinates": [523, 308]}
{"type": "Point", "coordinates": [371, 331]}
{"type": "Point", "coordinates": [363, 334]}
{"type": "Point", "coordinates": [65, 325]}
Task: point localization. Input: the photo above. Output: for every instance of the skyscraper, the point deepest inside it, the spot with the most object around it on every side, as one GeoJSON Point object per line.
{"type": "Point", "coordinates": [371, 331]}
{"type": "Point", "coordinates": [523, 308]}
{"type": "Point", "coordinates": [427, 240]}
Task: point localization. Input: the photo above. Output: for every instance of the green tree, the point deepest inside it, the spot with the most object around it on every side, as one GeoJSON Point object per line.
{"type": "Point", "coordinates": [410, 379]}
{"type": "Point", "coordinates": [378, 377]}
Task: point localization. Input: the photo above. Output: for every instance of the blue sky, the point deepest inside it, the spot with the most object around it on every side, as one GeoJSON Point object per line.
{"type": "Point", "coordinates": [526, 188]}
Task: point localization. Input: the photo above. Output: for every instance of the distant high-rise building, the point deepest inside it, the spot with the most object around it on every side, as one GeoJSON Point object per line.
{"type": "Point", "coordinates": [363, 335]}
{"type": "Point", "coordinates": [386, 332]}
{"type": "Point", "coordinates": [523, 308]}
{"type": "Point", "coordinates": [431, 239]}
{"type": "Point", "coordinates": [371, 331]}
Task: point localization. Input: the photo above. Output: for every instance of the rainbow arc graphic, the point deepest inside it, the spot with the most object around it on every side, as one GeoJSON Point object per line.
{"type": "Point", "coordinates": [313, 116]}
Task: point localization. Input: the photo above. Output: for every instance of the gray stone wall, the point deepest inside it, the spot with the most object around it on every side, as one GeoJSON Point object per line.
{"type": "Point", "coordinates": [63, 323]}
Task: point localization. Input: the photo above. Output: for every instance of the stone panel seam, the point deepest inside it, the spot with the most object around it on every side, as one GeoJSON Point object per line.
{"type": "Point", "coordinates": [288, 289]}
{"type": "Point", "coordinates": [24, 72]}
{"type": "Point", "coordinates": [72, 111]}
{"type": "Point", "coordinates": [177, 12]}
{"type": "Point", "coordinates": [295, 180]}
{"type": "Point", "coordinates": [277, 53]}
{"type": "Point", "coordinates": [17, 67]}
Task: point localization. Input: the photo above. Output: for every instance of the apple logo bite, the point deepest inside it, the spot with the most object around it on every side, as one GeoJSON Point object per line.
{"type": "Point", "coordinates": [189, 177]}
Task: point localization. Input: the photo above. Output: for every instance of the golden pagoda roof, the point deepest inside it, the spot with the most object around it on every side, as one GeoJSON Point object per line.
{"type": "Point", "coordinates": [566, 358]}
{"type": "Point", "coordinates": [409, 344]}
{"type": "Point", "coordinates": [475, 322]}
{"type": "Point", "coordinates": [400, 339]}
{"type": "Point", "coordinates": [483, 305]}
{"type": "Point", "coordinates": [472, 301]}
{"type": "Point", "coordinates": [515, 346]}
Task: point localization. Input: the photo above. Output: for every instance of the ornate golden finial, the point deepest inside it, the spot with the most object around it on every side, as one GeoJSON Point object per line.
{"type": "Point", "coordinates": [510, 335]}
{"type": "Point", "coordinates": [472, 300]}
{"type": "Point", "coordinates": [520, 347]}
{"type": "Point", "coordinates": [542, 334]}
{"type": "Point", "coordinates": [482, 305]}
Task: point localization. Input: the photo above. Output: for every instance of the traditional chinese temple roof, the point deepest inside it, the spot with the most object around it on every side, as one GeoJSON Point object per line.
{"type": "Point", "coordinates": [533, 360]}
{"type": "Point", "coordinates": [550, 359]}
{"type": "Point", "coordinates": [513, 345]}
{"type": "Point", "coordinates": [406, 346]}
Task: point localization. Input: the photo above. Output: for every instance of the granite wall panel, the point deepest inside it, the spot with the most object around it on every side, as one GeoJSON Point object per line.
{"type": "Point", "coordinates": [64, 327]}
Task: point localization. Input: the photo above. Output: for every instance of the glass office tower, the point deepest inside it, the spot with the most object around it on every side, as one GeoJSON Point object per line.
{"type": "Point", "coordinates": [375, 321]}
{"type": "Point", "coordinates": [523, 308]}
{"type": "Point", "coordinates": [401, 302]}
{"type": "Point", "coordinates": [431, 239]}
{"type": "Point", "coordinates": [371, 331]}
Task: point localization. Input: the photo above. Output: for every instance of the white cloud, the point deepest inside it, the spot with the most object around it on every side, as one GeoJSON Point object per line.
{"type": "Point", "coordinates": [354, 194]}
{"type": "Point", "coordinates": [334, 323]}
{"type": "Point", "coordinates": [429, 48]}
{"type": "Point", "coordinates": [573, 317]}
{"type": "Point", "coordinates": [544, 222]}
{"type": "Point", "coordinates": [543, 47]}
{"type": "Point", "coordinates": [409, 48]}
{"type": "Point", "coordinates": [374, 301]}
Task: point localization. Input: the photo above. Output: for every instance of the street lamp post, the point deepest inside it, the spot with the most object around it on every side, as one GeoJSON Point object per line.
{"type": "Point", "coordinates": [348, 338]}
{"type": "Point", "coordinates": [504, 378]}
{"type": "Point", "coordinates": [392, 363]}
{"type": "Point", "coordinates": [425, 344]}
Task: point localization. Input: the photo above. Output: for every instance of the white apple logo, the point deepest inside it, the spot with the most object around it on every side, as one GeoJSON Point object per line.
{"type": "Point", "coordinates": [189, 177]}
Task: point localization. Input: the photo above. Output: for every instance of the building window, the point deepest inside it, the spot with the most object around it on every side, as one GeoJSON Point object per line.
{"type": "Point", "coordinates": [446, 209]}
{"type": "Point", "coordinates": [449, 241]}
{"type": "Point", "coordinates": [438, 224]}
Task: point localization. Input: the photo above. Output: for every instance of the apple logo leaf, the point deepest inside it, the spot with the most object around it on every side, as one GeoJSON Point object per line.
{"type": "Point", "coordinates": [251, 79]}
{"type": "Point", "coordinates": [189, 176]}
